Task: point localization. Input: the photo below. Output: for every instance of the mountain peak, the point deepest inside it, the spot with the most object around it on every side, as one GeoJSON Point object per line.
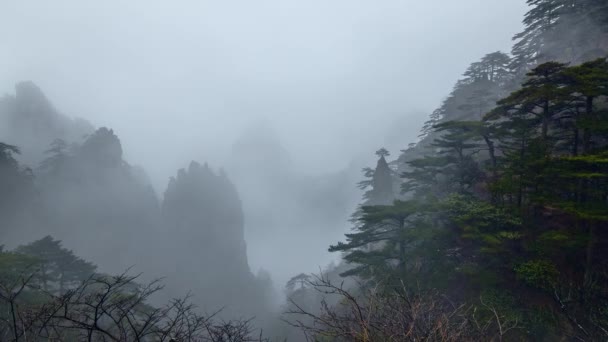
{"type": "Point", "coordinates": [30, 99]}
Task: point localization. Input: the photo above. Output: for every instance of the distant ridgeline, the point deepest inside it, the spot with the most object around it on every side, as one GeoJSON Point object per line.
{"type": "Point", "coordinates": [82, 192]}
{"type": "Point", "coordinates": [564, 31]}
{"type": "Point", "coordinates": [503, 201]}
{"type": "Point", "coordinates": [30, 121]}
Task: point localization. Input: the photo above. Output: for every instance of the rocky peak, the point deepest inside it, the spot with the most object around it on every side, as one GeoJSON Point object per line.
{"type": "Point", "coordinates": [30, 100]}
{"type": "Point", "coordinates": [103, 148]}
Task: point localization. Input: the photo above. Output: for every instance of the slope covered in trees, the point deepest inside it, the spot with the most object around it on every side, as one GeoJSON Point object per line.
{"type": "Point", "coordinates": [85, 195]}
{"type": "Point", "coordinates": [493, 226]}
{"type": "Point", "coordinates": [48, 293]}
{"type": "Point", "coordinates": [504, 199]}
{"type": "Point", "coordinates": [16, 187]}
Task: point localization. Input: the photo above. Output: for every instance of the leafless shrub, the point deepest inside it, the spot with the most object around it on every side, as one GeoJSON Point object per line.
{"type": "Point", "coordinates": [374, 314]}
{"type": "Point", "coordinates": [109, 308]}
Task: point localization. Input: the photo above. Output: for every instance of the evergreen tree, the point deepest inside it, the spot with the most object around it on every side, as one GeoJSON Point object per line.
{"type": "Point", "coordinates": [497, 66]}
{"type": "Point", "coordinates": [540, 96]}
{"type": "Point", "coordinates": [493, 67]}
{"type": "Point", "coordinates": [539, 22]}
{"type": "Point", "coordinates": [527, 218]}
{"type": "Point", "coordinates": [519, 151]}
{"type": "Point", "coordinates": [57, 158]}
{"type": "Point", "coordinates": [479, 101]}
{"type": "Point", "coordinates": [384, 240]}
{"type": "Point", "coordinates": [586, 83]}
{"type": "Point", "coordinates": [563, 30]}
{"type": "Point", "coordinates": [59, 267]}
{"type": "Point", "coordinates": [451, 168]}
{"type": "Point", "coordinates": [16, 190]}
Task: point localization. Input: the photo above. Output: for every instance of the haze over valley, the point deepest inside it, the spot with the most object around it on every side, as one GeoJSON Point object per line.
{"type": "Point", "coordinates": [285, 166]}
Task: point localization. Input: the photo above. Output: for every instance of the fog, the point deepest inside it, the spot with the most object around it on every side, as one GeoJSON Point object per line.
{"type": "Point", "coordinates": [331, 76]}
{"type": "Point", "coordinates": [316, 86]}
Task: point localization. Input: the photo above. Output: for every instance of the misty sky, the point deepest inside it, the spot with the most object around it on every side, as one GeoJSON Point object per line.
{"type": "Point", "coordinates": [180, 80]}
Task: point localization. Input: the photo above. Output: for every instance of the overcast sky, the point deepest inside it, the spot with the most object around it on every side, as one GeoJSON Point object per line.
{"type": "Point", "coordinates": [182, 79]}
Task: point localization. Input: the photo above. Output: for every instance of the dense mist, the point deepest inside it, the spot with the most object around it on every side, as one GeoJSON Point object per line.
{"type": "Point", "coordinates": [329, 82]}
{"type": "Point", "coordinates": [236, 148]}
{"type": "Point", "coordinates": [319, 72]}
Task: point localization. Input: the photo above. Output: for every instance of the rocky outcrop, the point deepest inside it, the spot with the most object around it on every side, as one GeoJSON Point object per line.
{"type": "Point", "coordinates": [204, 234]}
{"type": "Point", "coordinates": [29, 120]}
{"type": "Point", "coordinates": [90, 198]}
{"type": "Point", "coordinates": [97, 203]}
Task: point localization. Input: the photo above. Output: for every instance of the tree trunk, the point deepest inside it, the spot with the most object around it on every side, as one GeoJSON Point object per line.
{"type": "Point", "coordinates": [15, 332]}
{"type": "Point", "coordinates": [546, 118]}
{"type": "Point", "coordinates": [521, 175]}
{"type": "Point", "coordinates": [585, 189]}
{"type": "Point", "coordinates": [402, 248]}
{"type": "Point", "coordinates": [492, 153]}
{"type": "Point", "coordinates": [575, 142]}
{"type": "Point", "coordinates": [402, 257]}
{"type": "Point", "coordinates": [589, 257]}
{"type": "Point", "coordinates": [586, 131]}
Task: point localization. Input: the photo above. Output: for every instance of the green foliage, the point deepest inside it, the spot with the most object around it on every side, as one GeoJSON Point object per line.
{"type": "Point", "coordinates": [560, 29]}
{"type": "Point", "coordinates": [539, 273]}
{"type": "Point", "coordinates": [479, 220]}
{"type": "Point", "coordinates": [501, 301]}
{"type": "Point", "coordinates": [14, 265]}
{"type": "Point", "coordinates": [512, 203]}
{"type": "Point", "coordinates": [453, 168]}
{"type": "Point", "coordinates": [58, 268]}
{"type": "Point", "coordinates": [386, 238]}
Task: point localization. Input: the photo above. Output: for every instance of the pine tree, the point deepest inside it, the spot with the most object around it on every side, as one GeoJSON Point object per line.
{"type": "Point", "coordinates": [549, 33]}
{"type": "Point", "coordinates": [539, 21]}
{"type": "Point", "coordinates": [452, 168]}
{"type": "Point", "coordinates": [493, 67]}
{"type": "Point", "coordinates": [57, 158]}
{"type": "Point", "coordinates": [540, 96]}
{"type": "Point", "coordinates": [497, 66]}
{"type": "Point", "coordinates": [515, 137]}
{"type": "Point", "coordinates": [59, 267]}
{"type": "Point", "coordinates": [479, 135]}
{"type": "Point", "coordinates": [480, 101]}
{"type": "Point", "coordinates": [588, 82]}
{"type": "Point", "coordinates": [384, 239]}
{"type": "Point", "coordinates": [16, 189]}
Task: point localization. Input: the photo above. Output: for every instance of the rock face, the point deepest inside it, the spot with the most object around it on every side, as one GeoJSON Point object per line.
{"type": "Point", "coordinates": [204, 209]}
{"type": "Point", "coordinates": [382, 192]}
{"type": "Point", "coordinates": [102, 149]}
{"type": "Point", "coordinates": [30, 121]}
{"type": "Point", "coordinates": [97, 203]}
{"type": "Point", "coordinates": [203, 223]}
{"type": "Point", "coordinates": [84, 193]}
